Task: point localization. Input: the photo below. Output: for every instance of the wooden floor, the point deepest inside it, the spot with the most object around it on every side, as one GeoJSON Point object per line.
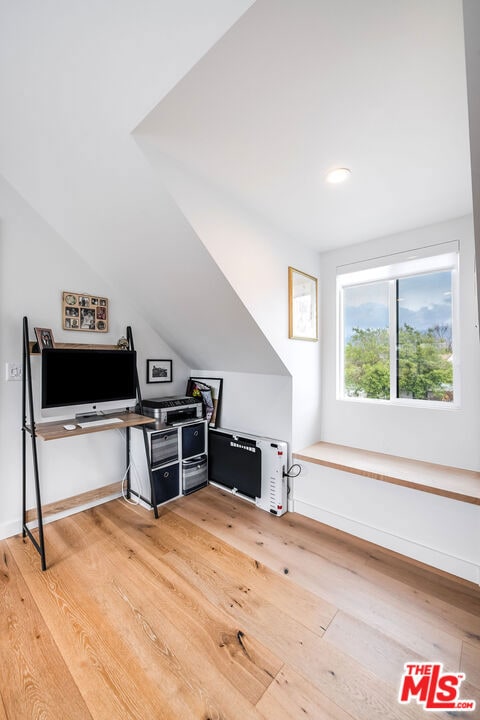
{"type": "Point", "coordinates": [220, 611]}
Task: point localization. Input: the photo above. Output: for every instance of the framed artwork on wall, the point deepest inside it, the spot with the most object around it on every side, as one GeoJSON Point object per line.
{"type": "Point", "coordinates": [159, 371]}
{"type": "Point", "coordinates": [84, 312]}
{"type": "Point", "coordinates": [302, 306]}
{"type": "Point", "coordinates": [210, 390]}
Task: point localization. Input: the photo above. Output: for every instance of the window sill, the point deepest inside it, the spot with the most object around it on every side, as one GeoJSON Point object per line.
{"type": "Point", "coordinates": [403, 402]}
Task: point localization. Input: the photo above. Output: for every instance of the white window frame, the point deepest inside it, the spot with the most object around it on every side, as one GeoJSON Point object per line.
{"type": "Point", "coordinates": [420, 261]}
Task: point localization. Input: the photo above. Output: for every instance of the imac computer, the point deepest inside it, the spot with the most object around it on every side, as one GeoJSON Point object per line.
{"type": "Point", "coordinates": [86, 381]}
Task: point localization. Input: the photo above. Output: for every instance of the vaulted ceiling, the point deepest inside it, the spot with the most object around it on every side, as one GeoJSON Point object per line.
{"type": "Point", "coordinates": [296, 88]}
{"type": "Point", "coordinates": [75, 80]}
{"type": "Point", "coordinates": [260, 98]}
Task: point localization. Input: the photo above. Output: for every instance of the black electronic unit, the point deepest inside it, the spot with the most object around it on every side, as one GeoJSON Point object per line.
{"type": "Point", "coordinates": [235, 462]}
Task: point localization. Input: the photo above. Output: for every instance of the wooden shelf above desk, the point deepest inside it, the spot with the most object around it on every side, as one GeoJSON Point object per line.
{"type": "Point", "coordinates": [56, 430]}
{"type": "Point", "coordinates": [72, 346]}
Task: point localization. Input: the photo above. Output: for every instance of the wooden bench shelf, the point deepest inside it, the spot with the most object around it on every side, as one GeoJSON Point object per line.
{"type": "Point", "coordinates": [450, 482]}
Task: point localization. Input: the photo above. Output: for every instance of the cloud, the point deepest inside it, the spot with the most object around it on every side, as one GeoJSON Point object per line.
{"type": "Point", "coordinates": [426, 317]}
{"type": "Point", "coordinates": [366, 316]}
{"type": "Point", "coordinates": [375, 315]}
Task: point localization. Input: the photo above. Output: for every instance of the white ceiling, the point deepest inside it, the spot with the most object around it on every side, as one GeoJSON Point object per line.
{"type": "Point", "coordinates": [299, 86]}
{"type": "Point", "coordinates": [260, 99]}
{"type": "Point", "coordinates": [75, 78]}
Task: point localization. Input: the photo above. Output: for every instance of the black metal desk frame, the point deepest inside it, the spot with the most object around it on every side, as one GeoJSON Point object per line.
{"type": "Point", "coordinates": [30, 429]}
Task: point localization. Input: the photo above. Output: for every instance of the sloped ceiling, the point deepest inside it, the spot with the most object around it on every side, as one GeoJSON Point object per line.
{"type": "Point", "coordinates": [295, 88]}
{"type": "Point", "coordinates": [76, 78]}
{"type": "Point", "coordinates": [260, 98]}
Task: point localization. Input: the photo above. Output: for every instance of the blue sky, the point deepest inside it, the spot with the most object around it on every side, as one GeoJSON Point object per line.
{"type": "Point", "coordinates": [424, 301]}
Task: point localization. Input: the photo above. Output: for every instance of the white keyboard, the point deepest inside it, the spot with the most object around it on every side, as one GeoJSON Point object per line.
{"type": "Point", "coordinates": [96, 423]}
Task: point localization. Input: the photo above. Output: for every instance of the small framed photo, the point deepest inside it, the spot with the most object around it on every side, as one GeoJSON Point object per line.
{"type": "Point", "coordinates": [302, 306]}
{"type": "Point", "coordinates": [159, 371]}
{"type": "Point", "coordinates": [44, 338]}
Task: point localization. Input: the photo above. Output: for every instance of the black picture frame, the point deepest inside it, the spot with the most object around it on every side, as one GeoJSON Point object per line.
{"type": "Point", "coordinates": [216, 386]}
{"type": "Point", "coordinates": [159, 371]}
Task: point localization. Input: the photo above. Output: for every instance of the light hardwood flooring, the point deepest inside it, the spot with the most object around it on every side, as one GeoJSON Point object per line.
{"type": "Point", "coordinates": [219, 611]}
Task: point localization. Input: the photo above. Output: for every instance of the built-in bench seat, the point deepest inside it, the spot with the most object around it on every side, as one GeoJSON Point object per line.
{"type": "Point", "coordinates": [449, 482]}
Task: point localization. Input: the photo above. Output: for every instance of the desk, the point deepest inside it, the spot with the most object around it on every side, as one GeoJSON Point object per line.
{"type": "Point", "coordinates": [56, 431]}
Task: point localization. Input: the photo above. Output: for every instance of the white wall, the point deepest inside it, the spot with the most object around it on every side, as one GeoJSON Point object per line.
{"type": "Point", "coordinates": [471, 19]}
{"type": "Point", "coordinates": [435, 530]}
{"type": "Point", "coordinates": [254, 258]}
{"type": "Point", "coordinates": [255, 404]}
{"type": "Point", "coordinates": [65, 145]}
{"type": "Point", "coordinates": [439, 531]}
{"type": "Point", "coordinates": [35, 266]}
{"type": "Point", "coordinates": [445, 435]}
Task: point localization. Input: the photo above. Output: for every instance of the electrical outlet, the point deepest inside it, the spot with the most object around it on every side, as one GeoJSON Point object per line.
{"type": "Point", "coordinates": [13, 371]}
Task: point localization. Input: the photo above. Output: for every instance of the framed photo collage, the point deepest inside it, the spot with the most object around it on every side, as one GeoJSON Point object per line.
{"type": "Point", "coordinates": [84, 312]}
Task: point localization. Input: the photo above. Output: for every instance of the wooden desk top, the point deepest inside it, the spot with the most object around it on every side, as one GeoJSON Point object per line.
{"type": "Point", "coordinates": [55, 430]}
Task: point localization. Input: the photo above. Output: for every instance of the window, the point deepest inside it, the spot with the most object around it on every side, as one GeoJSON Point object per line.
{"type": "Point", "coordinates": [397, 327]}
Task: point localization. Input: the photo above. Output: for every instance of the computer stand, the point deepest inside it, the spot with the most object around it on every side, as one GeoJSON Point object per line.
{"type": "Point", "coordinates": [54, 431]}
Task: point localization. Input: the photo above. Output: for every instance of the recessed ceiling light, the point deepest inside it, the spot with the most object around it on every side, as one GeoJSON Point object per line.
{"type": "Point", "coordinates": [338, 175]}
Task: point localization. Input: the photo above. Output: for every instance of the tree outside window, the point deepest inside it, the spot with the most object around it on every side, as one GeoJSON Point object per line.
{"type": "Point", "coordinates": [398, 338]}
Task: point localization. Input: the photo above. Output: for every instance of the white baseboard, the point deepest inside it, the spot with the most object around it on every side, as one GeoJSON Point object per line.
{"type": "Point", "coordinates": [430, 556]}
{"type": "Point", "coordinates": [14, 527]}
